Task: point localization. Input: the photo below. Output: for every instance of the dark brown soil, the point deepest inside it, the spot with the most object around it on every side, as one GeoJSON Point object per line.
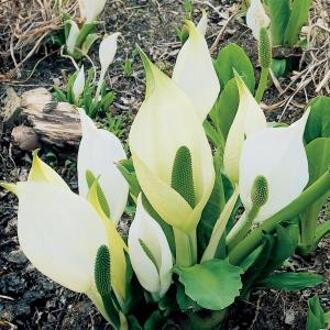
{"type": "Point", "coordinates": [28, 300]}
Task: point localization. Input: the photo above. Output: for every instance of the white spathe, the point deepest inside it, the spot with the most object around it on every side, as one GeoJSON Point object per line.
{"type": "Point", "coordinates": [72, 38]}
{"type": "Point", "coordinates": [248, 120]}
{"type": "Point", "coordinates": [202, 24]}
{"type": "Point", "coordinates": [194, 71]}
{"type": "Point", "coordinates": [107, 52]}
{"type": "Point", "coordinates": [60, 233]}
{"type": "Point", "coordinates": [256, 18]}
{"type": "Point", "coordinates": [279, 155]}
{"type": "Point", "coordinates": [99, 152]}
{"type": "Point", "coordinates": [79, 84]}
{"type": "Point", "coordinates": [91, 9]}
{"type": "Point", "coordinates": [154, 274]}
{"type": "Point", "coordinates": [166, 121]}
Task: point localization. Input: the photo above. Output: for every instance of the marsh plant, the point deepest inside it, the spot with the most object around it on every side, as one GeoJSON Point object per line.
{"type": "Point", "coordinates": [211, 222]}
{"type": "Point", "coordinates": [79, 39]}
{"type": "Point", "coordinates": [278, 24]}
{"type": "Point", "coordinates": [83, 91]}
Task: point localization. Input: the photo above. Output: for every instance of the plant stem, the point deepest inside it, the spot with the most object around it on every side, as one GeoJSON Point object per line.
{"type": "Point", "coordinates": [308, 228]}
{"type": "Point", "coordinates": [220, 226]}
{"type": "Point", "coordinates": [186, 247]}
{"type": "Point", "coordinates": [320, 231]}
{"type": "Point", "coordinates": [306, 198]}
{"type": "Point", "coordinates": [262, 84]}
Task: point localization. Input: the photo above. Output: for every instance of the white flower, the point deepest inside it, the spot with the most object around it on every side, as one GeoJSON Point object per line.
{"type": "Point", "coordinates": [149, 252]}
{"type": "Point", "coordinates": [278, 155]}
{"type": "Point", "coordinates": [99, 151]}
{"type": "Point", "coordinates": [256, 18]}
{"type": "Point", "coordinates": [79, 84]}
{"type": "Point", "coordinates": [91, 9]}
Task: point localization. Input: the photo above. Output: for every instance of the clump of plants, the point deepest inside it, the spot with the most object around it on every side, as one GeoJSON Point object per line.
{"type": "Point", "coordinates": [212, 221]}
{"type": "Point", "coordinates": [91, 93]}
{"type": "Point", "coordinates": [79, 39]}
{"type": "Point", "coordinates": [281, 22]}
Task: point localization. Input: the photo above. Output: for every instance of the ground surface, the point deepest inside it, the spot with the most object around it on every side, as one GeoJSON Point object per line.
{"type": "Point", "coordinates": [28, 300]}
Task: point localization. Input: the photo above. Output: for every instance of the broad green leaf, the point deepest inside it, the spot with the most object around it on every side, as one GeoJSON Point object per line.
{"type": "Point", "coordinates": [298, 17]}
{"type": "Point", "coordinates": [185, 303]}
{"type": "Point", "coordinates": [230, 58]}
{"type": "Point", "coordinates": [279, 13]}
{"type": "Point", "coordinates": [213, 284]}
{"type": "Point", "coordinates": [291, 281]}
{"type": "Point", "coordinates": [315, 316]}
{"type": "Point", "coordinates": [318, 154]}
{"type": "Point", "coordinates": [225, 108]}
{"type": "Point", "coordinates": [318, 123]}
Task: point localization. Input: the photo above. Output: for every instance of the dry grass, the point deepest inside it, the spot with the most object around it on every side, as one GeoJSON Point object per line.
{"type": "Point", "coordinates": [23, 27]}
{"type": "Point", "coordinates": [313, 77]}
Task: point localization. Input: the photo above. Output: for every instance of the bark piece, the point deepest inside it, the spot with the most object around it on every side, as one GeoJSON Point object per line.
{"type": "Point", "coordinates": [56, 123]}
{"type": "Point", "coordinates": [11, 109]}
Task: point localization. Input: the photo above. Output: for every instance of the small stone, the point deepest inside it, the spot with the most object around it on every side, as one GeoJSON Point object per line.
{"type": "Point", "coordinates": [16, 257]}
{"type": "Point", "coordinates": [25, 138]}
{"type": "Point", "coordinates": [289, 317]}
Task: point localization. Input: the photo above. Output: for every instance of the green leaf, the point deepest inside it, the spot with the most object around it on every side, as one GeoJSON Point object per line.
{"type": "Point", "coordinates": [225, 108]}
{"type": "Point", "coordinates": [59, 95]}
{"type": "Point", "coordinates": [279, 67]}
{"type": "Point", "coordinates": [212, 209]}
{"type": "Point", "coordinates": [214, 135]}
{"type": "Point", "coordinates": [291, 281]}
{"type": "Point", "coordinates": [279, 13]}
{"type": "Point", "coordinates": [88, 43]}
{"type": "Point", "coordinates": [253, 273]}
{"type": "Point", "coordinates": [155, 321]}
{"type": "Point", "coordinates": [107, 100]}
{"type": "Point", "coordinates": [315, 316]}
{"type": "Point", "coordinates": [69, 87]}
{"type": "Point", "coordinates": [213, 284]}
{"type": "Point", "coordinates": [234, 57]}
{"type": "Point", "coordinates": [284, 247]}
{"type": "Point", "coordinates": [251, 258]}
{"type": "Point", "coordinates": [318, 154]}
{"type": "Point", "coordinates": [95, 188]}
{"type": "Point", "coordinates": [167, 229]}
{"type": "Point", "coordinates": [298, 17]}
{"type": "Point", "coordinates": [185, 303]}
{"type": "Point", "coordinates": [318, 123]}
{"type": "Point", "coordinates": [87, 29]}
{"type": "Point", "coordinates": [126, 168]}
